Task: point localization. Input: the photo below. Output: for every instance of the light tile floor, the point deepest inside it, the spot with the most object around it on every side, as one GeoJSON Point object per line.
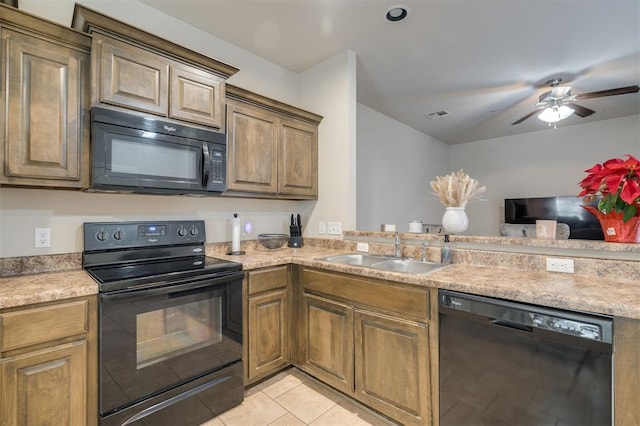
{"type": "Point", "coordinates": [292, 398]}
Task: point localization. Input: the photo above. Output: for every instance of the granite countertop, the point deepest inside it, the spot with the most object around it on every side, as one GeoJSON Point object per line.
{"type": "Point", "coordinates": [553, 289]}
{"type": "Point", "coordinates": [565, 291]}
{"type": "Point", "coordinates": [46, 287]}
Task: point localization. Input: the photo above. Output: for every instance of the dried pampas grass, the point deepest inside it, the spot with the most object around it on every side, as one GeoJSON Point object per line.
{"type": "Point", "coordinates": [456, 189]}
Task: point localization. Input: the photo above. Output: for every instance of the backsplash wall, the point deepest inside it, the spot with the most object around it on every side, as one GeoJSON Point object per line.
{"type": "Point", "coordinates": [23, 210]}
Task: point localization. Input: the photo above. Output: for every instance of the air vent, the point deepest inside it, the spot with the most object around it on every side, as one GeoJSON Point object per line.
{"type": "Point", "coordinates": [437, 114]}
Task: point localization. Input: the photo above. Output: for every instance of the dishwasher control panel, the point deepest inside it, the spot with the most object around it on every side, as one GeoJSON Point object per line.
{"type": "Point", "coordinates": [567, 326]}
{"type": "Point", "coordinates": [526, 317]}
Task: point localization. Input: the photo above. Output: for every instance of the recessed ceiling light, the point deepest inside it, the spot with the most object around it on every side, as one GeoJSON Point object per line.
{"type": "Point", "coordinates": [396, 13]}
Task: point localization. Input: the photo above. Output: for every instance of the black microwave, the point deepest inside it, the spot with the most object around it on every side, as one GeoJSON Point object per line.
{"type": "Point", "coordinates": [135, 153]}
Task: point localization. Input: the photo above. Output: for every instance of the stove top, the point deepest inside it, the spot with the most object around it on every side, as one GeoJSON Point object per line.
{"type": "Point", "coordinates": [125, 255]}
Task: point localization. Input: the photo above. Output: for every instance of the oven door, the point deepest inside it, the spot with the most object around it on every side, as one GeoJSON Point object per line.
{"type": "Point", "coordinates": [158, 338]}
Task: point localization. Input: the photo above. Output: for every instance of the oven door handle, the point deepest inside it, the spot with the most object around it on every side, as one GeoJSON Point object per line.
{"type": "Point", "coordinates": [173, 400]}
{"type": "Point", "coordinates": [170, 287]}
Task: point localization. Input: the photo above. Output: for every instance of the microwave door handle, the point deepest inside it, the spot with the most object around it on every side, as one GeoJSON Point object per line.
{"type": "Point", "coordinates": [206, 165]}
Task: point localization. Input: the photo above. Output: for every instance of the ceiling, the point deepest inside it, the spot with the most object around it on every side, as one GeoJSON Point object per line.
{"type": "Point", "coordinates": [485, 62]}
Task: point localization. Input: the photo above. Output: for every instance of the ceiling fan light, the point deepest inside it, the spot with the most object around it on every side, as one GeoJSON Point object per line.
{"type": "Point", "coordinates": [555, 114]}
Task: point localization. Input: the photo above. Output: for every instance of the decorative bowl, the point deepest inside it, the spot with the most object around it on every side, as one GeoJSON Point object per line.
{"type": "Point", "coordinates": [273, 241]}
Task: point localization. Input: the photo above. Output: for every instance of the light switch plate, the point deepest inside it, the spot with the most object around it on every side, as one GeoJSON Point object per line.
{"type": "Point", "coordinates": [363, 247]}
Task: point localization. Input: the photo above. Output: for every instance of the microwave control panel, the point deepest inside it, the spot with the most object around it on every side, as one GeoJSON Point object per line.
{"type": "Point", "coordinates": [217, 169]}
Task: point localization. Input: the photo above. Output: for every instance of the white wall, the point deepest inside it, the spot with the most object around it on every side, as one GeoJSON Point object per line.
{"type": "Point", "coordinates": [395, 165]}
{"type": "Point", "coordinates": [331, 87]}
{"type": "Point", "coordinates": [327, 89]}
{"type": "Point", "coordinates": [539, 164]}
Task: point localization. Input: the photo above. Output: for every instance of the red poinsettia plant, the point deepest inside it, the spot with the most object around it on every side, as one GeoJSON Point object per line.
{"type": "Point", "coordinates": [617, 183]}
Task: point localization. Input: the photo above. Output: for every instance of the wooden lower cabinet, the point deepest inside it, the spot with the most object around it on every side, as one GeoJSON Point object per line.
{"type": "Point", "coordinates": [49, 364]}
{"type": "Point", "coordinates": [268, 326]}
{"type": "Point", "coordinates": [391, 373]}
{"type": "Point", "coordinates": [47, 387]}
{"type": "Point", "coordinates": [328, 341]}
{"type": "Point", "coordinates": [370, 339]}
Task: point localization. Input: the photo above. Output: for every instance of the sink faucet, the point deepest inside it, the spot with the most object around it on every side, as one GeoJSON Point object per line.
{"type": "Point", "coordinates": [424, 251]}
{"type": "Point", "coordinates": [397, 242]}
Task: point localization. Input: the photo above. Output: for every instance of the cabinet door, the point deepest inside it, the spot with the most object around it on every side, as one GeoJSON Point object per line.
{"type": "Point", "coordinates": [298, 159]}
{"type": "Point", "coordinates": [196, 96]}
{"type": "Point", "coordinates": [45, 103]}
{"type": "Point", "coordinates": [268, 333]}
{"type": "Point", "coordinates": [252, 149]}
{"type": "Point", "coordinates": [328, 340]}
{"type": "Point", "coordinates": [392, 373]}
{"type": "Point", "coordinates": [46, 387]}
{"type": "Point", "coordinates": [131, 77]}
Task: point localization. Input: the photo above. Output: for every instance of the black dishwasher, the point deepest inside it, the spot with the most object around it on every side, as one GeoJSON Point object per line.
{"type": "Point", "coordinates": [509, 363]}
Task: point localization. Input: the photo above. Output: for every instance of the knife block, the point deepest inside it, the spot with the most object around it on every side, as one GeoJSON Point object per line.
{"type": "Point", "coordinates": [295, 241]}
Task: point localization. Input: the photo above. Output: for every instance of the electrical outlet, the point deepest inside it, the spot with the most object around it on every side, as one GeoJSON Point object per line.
{"type": "Point", "coordinates": [560, 265]}
{"type": "Point", "coordinates": [42, 237]}
{"type": "Point", "coordinates": [322, 228]}
{"type": "Point", "coordinates": [334, 228]}
{"type": "Point", "coordinates": [363, 247]}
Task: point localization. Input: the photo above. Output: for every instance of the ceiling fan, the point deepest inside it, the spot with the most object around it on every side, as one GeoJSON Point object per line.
{"type": "Point", "coordinates": [558, 103]}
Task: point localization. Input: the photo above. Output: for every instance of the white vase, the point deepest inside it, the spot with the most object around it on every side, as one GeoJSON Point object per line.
{"type": "Point", "coordinates": [455, 220]}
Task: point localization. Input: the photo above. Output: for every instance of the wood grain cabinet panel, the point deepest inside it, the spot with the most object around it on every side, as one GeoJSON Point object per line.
{"type": "Point", "coordinates": [130, 77]}
{"type": "Point", "coordinates": [252, 149]}
{"type": "Point", "coordinates": [45, 99]}
{"type": "Point", "coordinates": [391, 359]}
{"type": "Point", "coordinates": [196, 96]}
{"type": "Point", "coordinates": [268, 333]}
{"type": "Point", "coordinates": [49, 364]}
{"type": "Point", "coordinates": [268, 326]}
{"type": "Point", "coordinates": [47, 387]}
{"type": "Point", "coordinates": [298, 158]}
{"type": "Point", "coordinates": [272, 147]}
{"type": "Point", "coordinates": [328, 341]}
{"type": "Point", "coordinates": [370, 339]}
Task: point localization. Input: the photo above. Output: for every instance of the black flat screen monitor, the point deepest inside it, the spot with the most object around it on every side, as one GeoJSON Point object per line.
{"type": "Point", "coordinates": [582, 224]}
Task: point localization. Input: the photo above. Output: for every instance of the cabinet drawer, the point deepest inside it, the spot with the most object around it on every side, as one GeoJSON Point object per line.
{"type": "Point", "coordinates": [268, 279]}
{"type": "Point", "coordinates": [409, 302]}
{"type": "Point", "coordinates": [28, 327]}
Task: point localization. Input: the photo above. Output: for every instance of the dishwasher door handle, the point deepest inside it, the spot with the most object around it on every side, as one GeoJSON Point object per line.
{"type": "Point", "coordinates": [509, 324]}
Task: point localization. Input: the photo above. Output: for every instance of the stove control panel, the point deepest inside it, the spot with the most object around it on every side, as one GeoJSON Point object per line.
{"type": "Point", "coordinates": [118, 235]}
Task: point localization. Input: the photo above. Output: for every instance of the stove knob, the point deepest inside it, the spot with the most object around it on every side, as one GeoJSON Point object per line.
{"type": "Point", "coordinates": [182, 231]}
{"type": "Point", "coordinates": [118, 235]}
{"type": "Point", "coordinates": [194, 231]}
{"type": "Point", "coordinates": [102, 236]}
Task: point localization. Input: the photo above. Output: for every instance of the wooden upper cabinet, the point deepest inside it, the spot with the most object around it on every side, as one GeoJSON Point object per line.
{"type": "Point", "coordinates": [130, 77]}
{"type": "Point", "coordinates": [196, 96]}
{"type": "Point", "coordinates": [44, 125]}
{"type": "Point", "coordinates": [272, 147]}
{"type": "Point", "coordinates": [137, 70]}
{"type": "Point", "coordinates": [298, 158]}
{"type": "Point", "coordinates": [252, 149]}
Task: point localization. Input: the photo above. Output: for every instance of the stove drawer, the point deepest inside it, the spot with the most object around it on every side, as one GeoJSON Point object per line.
{"type": "Point", "coordinates": [27, 327]}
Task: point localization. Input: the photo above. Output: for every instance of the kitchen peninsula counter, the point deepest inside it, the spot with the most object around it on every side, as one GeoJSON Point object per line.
{"type": "Point", "coordinates": [604, 295]}
{"type": "Point", "coordinates": [590, 293]}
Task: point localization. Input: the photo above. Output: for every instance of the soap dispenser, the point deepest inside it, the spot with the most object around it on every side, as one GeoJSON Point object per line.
{"type": "Point", "coordinates": [445, 252]}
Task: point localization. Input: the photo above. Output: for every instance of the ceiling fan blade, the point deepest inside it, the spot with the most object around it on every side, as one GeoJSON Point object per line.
{"type": "Point", "coordinates": [610, 92]}
{"type": "Point", "coordinates": [525, 117]}
{"type": "Point", "coordinates": [581, 111]}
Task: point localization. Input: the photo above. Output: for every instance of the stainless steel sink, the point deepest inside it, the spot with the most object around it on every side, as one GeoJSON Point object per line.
{"type": "Point", "coordinates": [358, 259]}
{"type": "Point", "coordinates": [407, 266]}
{"type": "Point", "coordinates": [385, 263]}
